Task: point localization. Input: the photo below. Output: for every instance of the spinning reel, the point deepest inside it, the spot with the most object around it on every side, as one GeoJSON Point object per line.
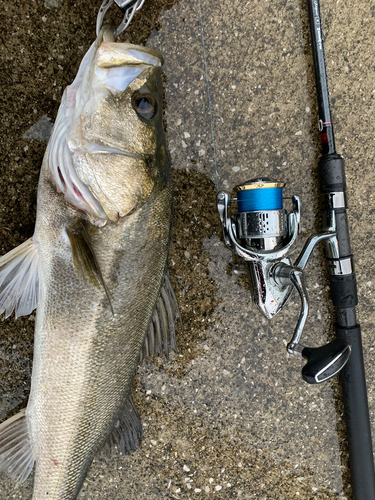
{"type": "Point", "coordinates": [263, 234]}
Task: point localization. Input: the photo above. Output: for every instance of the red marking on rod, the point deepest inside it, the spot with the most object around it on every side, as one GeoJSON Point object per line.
{"type": "Point", "coordinates": [324, 138]}
{"type": "Point", "coordinates": [327, 123]}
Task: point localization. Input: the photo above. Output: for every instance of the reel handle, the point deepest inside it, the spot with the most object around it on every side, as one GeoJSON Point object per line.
{"type": "Point", "coordinates": [324, 362]}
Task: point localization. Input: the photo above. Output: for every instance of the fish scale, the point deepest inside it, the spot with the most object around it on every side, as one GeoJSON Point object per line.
{"type": "Point", "coordinates": [99, 256]}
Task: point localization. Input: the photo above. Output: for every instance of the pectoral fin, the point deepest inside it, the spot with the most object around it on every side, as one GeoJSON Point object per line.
{"type": "Point", "coordinates": [19, 280]}
{"type": "Point", "coordinates": [16, 459]}
{"type": "Point", "coordinates": [84, 257]}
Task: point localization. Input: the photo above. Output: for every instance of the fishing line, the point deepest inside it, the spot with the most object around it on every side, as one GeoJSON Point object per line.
{"type": "Point", "coordinates": [250, 200]}
{"type": "Point", "coordinates": [208, 94]}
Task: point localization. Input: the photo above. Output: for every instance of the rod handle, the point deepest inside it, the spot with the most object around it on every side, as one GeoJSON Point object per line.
{"type": "Point", "coordinates": [358, 426]}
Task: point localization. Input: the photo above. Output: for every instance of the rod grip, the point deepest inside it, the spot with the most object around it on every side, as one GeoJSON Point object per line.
{"type": "Point", "coordinates": [332, 173]}
{"type": "Point", "coordinates": [344, 290]}
{"type": "Point", "coordinates": [358, 427]}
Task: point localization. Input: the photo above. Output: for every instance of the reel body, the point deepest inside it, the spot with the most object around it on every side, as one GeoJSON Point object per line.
{"type": "Point", "coordinates": [262, 233]}
{"type": "Point", "coordinates": [262, 226]}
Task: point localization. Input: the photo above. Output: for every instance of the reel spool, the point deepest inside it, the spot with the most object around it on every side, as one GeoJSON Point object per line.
{"type": "Point", "coordinates": [261, 219]}
{"type": "Point", "coordinates": [263, 234]}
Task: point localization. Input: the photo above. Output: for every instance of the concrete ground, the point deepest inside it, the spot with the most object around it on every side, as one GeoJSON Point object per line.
{"type": "Point", "coordinates": [229, 415]}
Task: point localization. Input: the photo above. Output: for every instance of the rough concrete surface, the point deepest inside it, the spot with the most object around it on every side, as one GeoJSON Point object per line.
{"type": "Point", "coordinates": [229, 415]}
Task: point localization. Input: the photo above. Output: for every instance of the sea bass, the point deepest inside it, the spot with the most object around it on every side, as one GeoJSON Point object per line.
{"type": "Point", "coordinates": [95, 269]}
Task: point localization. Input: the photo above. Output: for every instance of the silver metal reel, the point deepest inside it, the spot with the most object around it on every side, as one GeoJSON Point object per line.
{"type": "Point", "coordinates": [264, 239]}
{"type": "Point", "coordinates": [261, 248]}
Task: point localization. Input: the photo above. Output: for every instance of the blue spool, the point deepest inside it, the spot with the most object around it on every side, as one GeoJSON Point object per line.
{"type": "Point", "coordinates": [255, 200]}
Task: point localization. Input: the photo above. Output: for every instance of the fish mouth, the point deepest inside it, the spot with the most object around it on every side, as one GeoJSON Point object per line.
{"type": "Point", "coordinates": [116, 65]}
{"type": "Point", "coordinates": [113, 54]}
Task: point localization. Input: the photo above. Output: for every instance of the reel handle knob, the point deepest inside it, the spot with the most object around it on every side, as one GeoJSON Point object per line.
{"type": "Point", "coordinates": [324, 362]}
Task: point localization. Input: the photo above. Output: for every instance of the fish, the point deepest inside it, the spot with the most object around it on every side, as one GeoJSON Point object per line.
{"type": "Point", "coordinates": [95, 269]}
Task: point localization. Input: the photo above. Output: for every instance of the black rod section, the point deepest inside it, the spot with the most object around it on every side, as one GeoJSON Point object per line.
{"type": "Point", "coordinates": [325, 122]}
{"type": "Point", "coordinates": [343, 279]}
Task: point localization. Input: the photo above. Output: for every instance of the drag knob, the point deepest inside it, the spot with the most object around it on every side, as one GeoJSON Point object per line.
{"type": "Point", "coordinates": [324, 362]}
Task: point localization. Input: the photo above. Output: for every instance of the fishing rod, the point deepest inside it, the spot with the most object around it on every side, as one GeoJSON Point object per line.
{"type": "Point", "coordinates": [263, 234]}
{"type": "Point", "coordinates": [342, 279]}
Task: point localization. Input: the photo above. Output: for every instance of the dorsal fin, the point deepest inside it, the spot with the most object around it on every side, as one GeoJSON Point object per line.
{"type": "Point", "coordinates": [84, 257]}
{"type": "Point", "coordinates": [161, 334]}
{"type": "Point", "coordinates": [16, 458]}
{"type": "Point", "coordinates": [19, 280]}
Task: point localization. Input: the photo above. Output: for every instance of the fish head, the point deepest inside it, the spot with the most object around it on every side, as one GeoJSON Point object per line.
{"type": "Point", "coordinates": [112, 152]}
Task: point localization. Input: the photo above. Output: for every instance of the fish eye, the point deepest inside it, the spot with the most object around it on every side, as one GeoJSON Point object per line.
{"type": "Point", "coordinates": [145, 105]}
